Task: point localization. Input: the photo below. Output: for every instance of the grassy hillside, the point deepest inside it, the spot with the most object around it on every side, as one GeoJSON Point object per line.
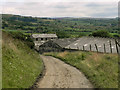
{"type": "Point", "coordinates": [100, 69]}
{"type": "Point", "coordinates": [21, 65]}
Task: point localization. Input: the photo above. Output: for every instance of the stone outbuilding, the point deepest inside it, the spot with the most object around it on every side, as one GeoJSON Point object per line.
{"type": "Point", "coordinates": [40, 39]}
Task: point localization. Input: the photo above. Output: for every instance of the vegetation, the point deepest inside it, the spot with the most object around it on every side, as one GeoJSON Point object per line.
{"type": "Point", "coordinates": [20, 64]}
{"type": "Point", "coordinates": [25, 38]}
{"type": "Point", "coordinates": [63, 27]}
{"type": "Point", "coordinates": [101, 34]}
{"type": "Point", "coordinates": [100, 69]}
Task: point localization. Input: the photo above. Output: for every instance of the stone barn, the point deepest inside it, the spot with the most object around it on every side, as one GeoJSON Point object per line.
{"type": "Point", "coordinates": [40, 39]}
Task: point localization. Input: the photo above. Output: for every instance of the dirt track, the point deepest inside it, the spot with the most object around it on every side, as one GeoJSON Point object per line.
{"type": "Point", "coordinates": [60, 75]}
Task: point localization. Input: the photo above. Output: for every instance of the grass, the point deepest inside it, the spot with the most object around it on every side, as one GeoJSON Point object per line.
{"type": "Point", "coordinates": [100, 69]}
{"type": "Point", "coordinates": [20, 64]}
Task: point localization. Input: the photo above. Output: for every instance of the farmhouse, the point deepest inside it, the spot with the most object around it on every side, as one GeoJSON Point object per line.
{"type": "Point", "coordinates": [39, 39]}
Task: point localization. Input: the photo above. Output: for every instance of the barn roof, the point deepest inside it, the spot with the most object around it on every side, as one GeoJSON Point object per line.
{"type": "Point", "coordinates": [43, 35]}
{"type": "Point", "coordinates": [65, 42]}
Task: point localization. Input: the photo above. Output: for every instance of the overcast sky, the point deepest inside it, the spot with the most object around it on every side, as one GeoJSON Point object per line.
{"type": "Point", "coordinates": [61, 8]}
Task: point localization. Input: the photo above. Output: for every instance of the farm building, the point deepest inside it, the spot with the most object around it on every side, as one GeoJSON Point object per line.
{"type": "Point", "coordinates": [104, 45]}
{"type": "Point", "coordinates": [56, 45]}
{"type": "Point", "coordinates": [51, 43]}
{"type": "Point", "coordinates": [39, 39]}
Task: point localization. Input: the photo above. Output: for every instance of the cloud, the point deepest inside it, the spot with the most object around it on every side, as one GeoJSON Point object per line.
{"type": "Point", "coordinates": [59, 1]}
{"type": "Point", "coordinates": [103, 9]}
{"type": "Point", "coordinates": [62, 9]}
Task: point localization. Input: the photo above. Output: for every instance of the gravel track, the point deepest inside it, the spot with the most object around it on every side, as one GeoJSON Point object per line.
{"type": "Point", "coordinates": [61, 75]}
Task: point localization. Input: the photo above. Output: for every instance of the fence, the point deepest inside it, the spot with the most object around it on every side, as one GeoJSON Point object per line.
{"type": "Point", "coordinates": [104, 45]}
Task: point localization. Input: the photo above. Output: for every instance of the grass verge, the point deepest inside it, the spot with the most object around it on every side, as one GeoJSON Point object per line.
{"type": "Point", "coordinates": [20, 64]}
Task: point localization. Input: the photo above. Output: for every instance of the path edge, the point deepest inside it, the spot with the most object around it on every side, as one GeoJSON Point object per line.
{"type": "Point", "coordinates": [39, 78]}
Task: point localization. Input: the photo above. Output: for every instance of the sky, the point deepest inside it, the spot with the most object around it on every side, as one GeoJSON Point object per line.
{"type": "Point", "coordinates": [61, 8]}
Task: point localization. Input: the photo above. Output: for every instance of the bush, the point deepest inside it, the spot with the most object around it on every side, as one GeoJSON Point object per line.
{"type": "Point", "coordinates": [116, 36]}
{"type": "Point", "coordinates": [61, 34]}
{"type": "Point", "coordinates": [101, 34]}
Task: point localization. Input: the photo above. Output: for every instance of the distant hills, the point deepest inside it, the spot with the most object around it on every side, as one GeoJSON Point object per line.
{"type": "Point", "coordinates": [69, 26]}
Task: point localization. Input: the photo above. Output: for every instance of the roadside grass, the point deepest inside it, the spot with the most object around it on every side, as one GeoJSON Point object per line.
{"type": "Point", "coordinates": [100, 69]}
{"type": "Point", "coordinates": [20, 64]}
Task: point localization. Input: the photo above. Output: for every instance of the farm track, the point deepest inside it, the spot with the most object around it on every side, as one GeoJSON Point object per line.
{"type": "Point", "coordinates": [61, 75]}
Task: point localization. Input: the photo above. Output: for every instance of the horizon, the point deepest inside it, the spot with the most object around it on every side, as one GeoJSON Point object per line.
{"type": "Point", "coordinates": [61, 17]}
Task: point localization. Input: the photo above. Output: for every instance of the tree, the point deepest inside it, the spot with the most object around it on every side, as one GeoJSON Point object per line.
{"type": "Point", "coordinates": [61, 34]}
{"type": "Point", "coordinates": [101, 33]}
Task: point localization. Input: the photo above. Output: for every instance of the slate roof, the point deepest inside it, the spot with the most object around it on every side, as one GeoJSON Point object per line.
{"type": "Point", "coordinates": [43, 35]}
{"type": "Point", "coordinates": [64, 42]}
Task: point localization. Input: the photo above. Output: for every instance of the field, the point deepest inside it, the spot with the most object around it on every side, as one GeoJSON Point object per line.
{"type": "Point", "coordinates": [63, 27]}
{"type": "Point", "coordinates": [20, 64]}
{"type": "Point", "coordinates": [100, 69]}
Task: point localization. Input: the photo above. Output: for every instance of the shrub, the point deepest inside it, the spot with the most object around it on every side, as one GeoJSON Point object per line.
{"type": "Point", "coordinates": [101, 34]}
{"type": "Point", "coordinates": [62, 34]}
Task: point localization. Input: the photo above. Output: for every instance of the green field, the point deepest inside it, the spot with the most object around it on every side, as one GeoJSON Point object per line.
{"type": "Point", "coordinates": [20, 64]}
{"type": "Point", "coordinates": [100, 69]}
{"type": "Point", "coordinates": [63, 27]}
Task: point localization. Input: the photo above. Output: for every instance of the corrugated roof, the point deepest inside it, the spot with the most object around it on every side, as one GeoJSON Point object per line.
{"type": "Point", "coordinates": [87, 41]}
{"type": "Point", "coordinates": [43, 35]}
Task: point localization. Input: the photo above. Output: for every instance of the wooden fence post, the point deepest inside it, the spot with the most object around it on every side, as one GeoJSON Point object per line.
{"type": "Point", "coordinates": [90, 47]}
{"type": "Point", "coordinates": [83, 48]}
{"type": "Point", "coordinates": [96, 47]}
{"type": "Point", "coordinates": [104, 48]}
{"type": "Point", "coordinates": [116, 46]}
{"type": "Point", "coordinates": [110, 46]}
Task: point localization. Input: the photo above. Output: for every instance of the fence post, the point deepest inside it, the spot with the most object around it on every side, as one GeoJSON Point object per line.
{"type": "Point", "coordinates": [96, 47]}
{"type": "Point", "coordinates": [110, 46]}
{"type": "Point", "coordinates": [104, 49]}
{"type": "Point", "coordinates": [116, 46]}
{"type": "Point", "coordinates": [83, 48]}
{"type": "Point", "coordinates": [90, 47]}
